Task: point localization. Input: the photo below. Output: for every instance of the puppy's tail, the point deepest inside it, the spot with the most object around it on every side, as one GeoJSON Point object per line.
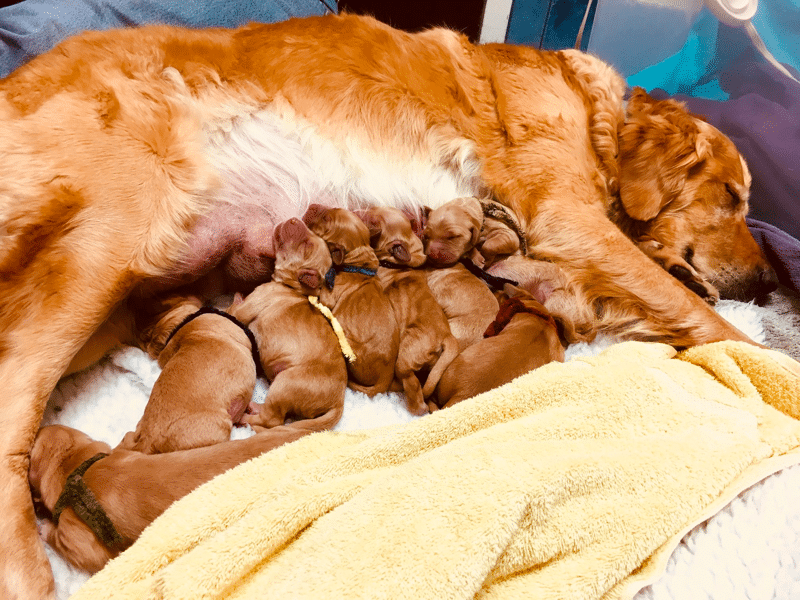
{"type": "Point", "coordinates": [449, 352]}
{"type": "Point", "coordinates": [325, 421]}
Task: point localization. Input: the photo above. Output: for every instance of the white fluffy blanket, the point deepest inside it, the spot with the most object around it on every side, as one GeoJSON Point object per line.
{"type": "Point", "coordinates": [747, 550]}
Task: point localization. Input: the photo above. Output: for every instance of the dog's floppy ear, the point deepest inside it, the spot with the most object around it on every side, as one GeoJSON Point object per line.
{"type": "Point", "coordinates": [309, 278]}
{"type": "Point", "coordinates": [658, 144]}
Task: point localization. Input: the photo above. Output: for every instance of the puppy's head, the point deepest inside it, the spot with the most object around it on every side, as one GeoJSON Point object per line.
{"type": "Point", "coordinates": [301, 258]}
{"type": "Point", "coordinates": [688, 186]}
{"type": "Point", "coordinates": [452, 230]}
{"type": "Point", "coordinates": [57, 450]}
{"type": "Point", "coordinates": [393, 237]}
{"type": "Point", "coordinates": [345, 233]}
{"type": "Point", "coordinates": [157, 317]}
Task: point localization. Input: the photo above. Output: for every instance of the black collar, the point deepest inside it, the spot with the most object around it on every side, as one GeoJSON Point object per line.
{"type": "Point", "coordinates": [390, 265]}
{"type": "Point", "coordinates": [215, 311]}
{"type": "Point", "coordinates": [77, 496]}
{"type": "Point", "coordinates": [496, 283]}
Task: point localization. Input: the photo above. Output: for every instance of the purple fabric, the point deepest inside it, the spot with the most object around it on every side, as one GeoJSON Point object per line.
{"type": "Point", "coordinates": [762, 117]}
{"type": "Point", "coordinates": [782, 252]}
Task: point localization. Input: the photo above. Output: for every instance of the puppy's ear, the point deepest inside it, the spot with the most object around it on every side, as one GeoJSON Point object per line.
{"type": "Point", "coordinates": [399, 250]}
{"type": "Point", "coordinates": [337, 253]}
{"type": "Point", "coordinates": [658, 145]}
{"type": "Point", "coordinates": [309, 278]}
{"type": "Point", "coordinates": [373, 222]}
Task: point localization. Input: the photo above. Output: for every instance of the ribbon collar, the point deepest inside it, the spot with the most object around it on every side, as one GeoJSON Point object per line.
{"type": "Point", "coordinates": [330, 276]}
{"type": "Point", "coordinates": [77, 496]}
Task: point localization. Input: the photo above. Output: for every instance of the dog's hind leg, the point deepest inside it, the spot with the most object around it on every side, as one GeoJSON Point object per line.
{"type": "Point", "coordinates": [47, 313]}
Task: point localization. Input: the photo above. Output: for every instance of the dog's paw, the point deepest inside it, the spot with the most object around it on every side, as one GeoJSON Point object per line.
{"type": "Point", "coordinates": [695, 283]}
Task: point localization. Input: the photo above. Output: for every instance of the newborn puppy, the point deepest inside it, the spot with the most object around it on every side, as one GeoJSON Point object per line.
{"type": "Point", "coordinates": [207, 378]}
{"type": "Point", "coordinates": [425, 338]}
{"type": "Point", "coordinates": [299, 350]}
{"type": "Point", "coordinates": [132, 488]}
{"type": "Point", "coordinates": [522, 338]}
{"type": "Point", "coordinates": [460, 228]}
{"type": "Point", "coordinates": [453, 231]}
{"type": "Point", "coordinates": [467, 302]}
{"type": "Point", "coordinates": [356, 298]}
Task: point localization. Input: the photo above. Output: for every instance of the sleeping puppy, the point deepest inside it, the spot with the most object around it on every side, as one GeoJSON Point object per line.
{"type": "Point", "coordinates": [522, 338]}
{"type": "Point", "coordinates": [426, 342]}
{"type": "Point", "coordinates": [356, 298]}
{"type": "Point", "coordinates": [467, 302]}
{"type": "Point", "coordinates": [206, 382]}
{"type": "Point", "coordinates": [460, 228]}
{"type": "Point", "coordinates": [132, 488]}
{"type": "Point", "coordinates": [300, 353]}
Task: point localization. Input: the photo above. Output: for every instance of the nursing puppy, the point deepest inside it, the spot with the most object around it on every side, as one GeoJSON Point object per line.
{"type": "Point", "coordinates": [522, 338]}
{"type": "Point", "coordinates": [356, 298]}
{"type": "Point", "coordinates": [300, 353]}
{"type": "Point", "coordinates": [207, 378]}
{"type": "Point", "coordinates": [467, 302]}
{"type": "Point", "coordinates": [426, 343]}
{"type": "Point", "coordinates": [459, 228]}
{"type": "Point", "coordinates": [132, 488]}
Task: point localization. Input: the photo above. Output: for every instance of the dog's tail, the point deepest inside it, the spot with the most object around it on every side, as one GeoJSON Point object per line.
{"type": "Point", "coordinates": [449, 352]}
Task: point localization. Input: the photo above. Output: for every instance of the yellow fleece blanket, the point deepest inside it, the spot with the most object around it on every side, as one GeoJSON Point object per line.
{"type": "Point", "coordinates": [573, 481]}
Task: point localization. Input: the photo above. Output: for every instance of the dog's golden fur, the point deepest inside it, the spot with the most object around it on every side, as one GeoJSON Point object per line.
{"type": "Point", "coordinates": [103, 171]}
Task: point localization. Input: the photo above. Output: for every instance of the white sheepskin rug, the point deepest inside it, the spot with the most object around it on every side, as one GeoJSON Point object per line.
{"type": "Point", "coordinates": [748, 550]}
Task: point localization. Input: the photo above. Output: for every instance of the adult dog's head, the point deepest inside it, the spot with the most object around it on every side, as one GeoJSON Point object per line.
{"type": "Point", "coordinates": [687, 187]}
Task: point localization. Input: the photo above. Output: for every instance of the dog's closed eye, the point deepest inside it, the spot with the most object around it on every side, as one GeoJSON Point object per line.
{"type": "Point", "coordinates": [736, 199]}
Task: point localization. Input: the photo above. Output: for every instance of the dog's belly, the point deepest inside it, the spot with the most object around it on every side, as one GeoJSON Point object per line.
{"type": "Point", "coordinates": [271, 167]}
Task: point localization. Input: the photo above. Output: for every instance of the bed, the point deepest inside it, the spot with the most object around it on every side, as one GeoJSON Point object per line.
{"type": "Point", "coordinates": [736, 538]}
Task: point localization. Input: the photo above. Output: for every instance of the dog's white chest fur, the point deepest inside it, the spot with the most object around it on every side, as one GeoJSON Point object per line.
{"type": "Point", "coordinates": [273, 153]}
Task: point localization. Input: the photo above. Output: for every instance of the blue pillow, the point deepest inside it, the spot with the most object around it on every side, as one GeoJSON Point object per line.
{"type": "Point", "coordinates": [35, 26]}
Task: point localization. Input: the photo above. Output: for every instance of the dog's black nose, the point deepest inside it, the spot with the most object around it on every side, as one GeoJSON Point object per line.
{"type": "Point", "coordinates": [767, 281]}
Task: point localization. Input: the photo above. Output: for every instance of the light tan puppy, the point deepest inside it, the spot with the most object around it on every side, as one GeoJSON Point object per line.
{"type": "Point", "coordinates": [460, 228]}
{"type": "Point", "coordinates": [357, 299]}
{"type": "Point", "coordinates": [206, 382]}
{"type": "Point", "coordinates": [426, 342]}
{"type": "Point", "coordinates": [132, 488]}
{"type": "Point", "coordinates": [299, 350]}
{"type": "Point", "coordinates": [524, 337]}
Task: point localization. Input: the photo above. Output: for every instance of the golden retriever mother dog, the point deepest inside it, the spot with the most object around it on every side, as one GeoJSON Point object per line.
{"type": "Point", "coordinates": [126, 158]}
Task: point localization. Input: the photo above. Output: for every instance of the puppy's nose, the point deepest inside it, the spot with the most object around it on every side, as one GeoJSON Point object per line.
{"type": "Point", "coordinates": [314, 214]}
{"type": "Point", "coordinates": [767, 281]}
